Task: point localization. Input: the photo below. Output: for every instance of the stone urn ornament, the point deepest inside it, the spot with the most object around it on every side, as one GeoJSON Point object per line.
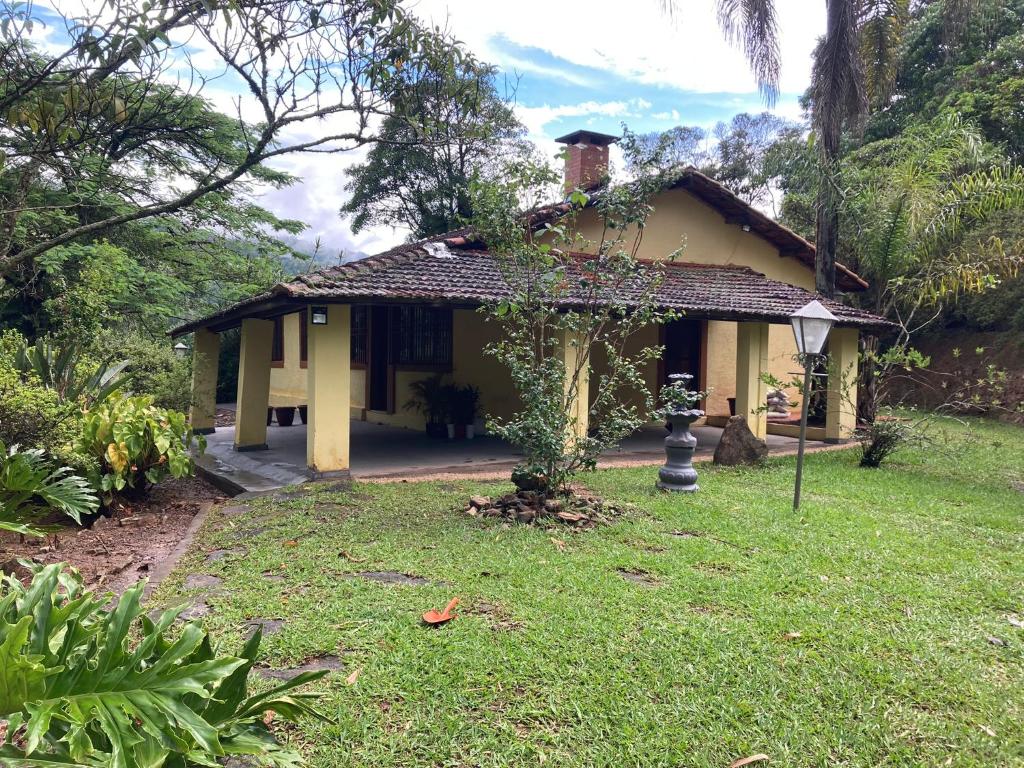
{"type": "Point", "coordinates": [679, 410]}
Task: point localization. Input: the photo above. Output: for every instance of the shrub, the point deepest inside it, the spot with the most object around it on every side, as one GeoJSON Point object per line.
{"type": "Point", "coordinates": [155, 369]}
{"type": "Point", "coordinates": [136, 443]}
{"type": "Point", "coordinates": [31, 485]}
{"type": "Point", "coordinates": [68, 371]}
{"type": "Point", "coordinates": [31, 414]}
{"type": "Point", "coordinates": [561, 309]}
{"type": "Point", "coordinates": [82, 684]}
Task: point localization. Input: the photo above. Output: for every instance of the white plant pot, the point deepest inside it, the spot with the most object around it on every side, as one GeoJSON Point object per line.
{"type": "Point", "coordinates": [451, 431]}
{"type": "Point", "coordinates": [470, 431]}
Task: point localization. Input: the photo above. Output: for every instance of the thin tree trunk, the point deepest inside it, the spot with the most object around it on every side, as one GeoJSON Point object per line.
{"type": "Point", "coordinates": [826, 239]}
{"type": "Point", "coordinates": [867, 390]}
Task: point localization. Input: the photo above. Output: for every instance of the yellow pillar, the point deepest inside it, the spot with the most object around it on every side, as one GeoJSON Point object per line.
{"type": "Point", "coordinates": [841, 416]}
{"type": "Point", "coordinates": [751, 361]}
{"type": "Point", "coordinates": [205, 354]}
{"type": "Point", "coordinates": [329, 377]}
{"type": "Point", "coordinates": [253, 385]}
{"type": "Point", "coordinates": [571, 349]}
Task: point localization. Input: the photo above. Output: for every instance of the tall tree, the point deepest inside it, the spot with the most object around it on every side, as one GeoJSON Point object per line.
{"type": "Point", "coordinates": [419, 172]}
{"type": "Point", "coordinates": [737, 153]}
{"type": "Point", "coordinates": [101, 121]}
{"type": "Point", "coordinates": [852, 63]}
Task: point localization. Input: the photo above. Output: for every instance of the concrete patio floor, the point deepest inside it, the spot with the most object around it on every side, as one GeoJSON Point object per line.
{"type": "Point", "coordinates": [384, 452]}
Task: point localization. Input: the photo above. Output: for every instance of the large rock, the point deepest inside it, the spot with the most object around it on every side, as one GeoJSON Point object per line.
{"type": "Point", "coordinates": [738, 444]}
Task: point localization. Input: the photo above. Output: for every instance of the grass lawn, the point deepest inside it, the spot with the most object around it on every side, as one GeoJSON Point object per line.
{"type": "Point", "coordinates": [870, 629]}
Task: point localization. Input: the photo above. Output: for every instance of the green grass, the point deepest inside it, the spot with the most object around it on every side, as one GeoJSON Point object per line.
{"type": "Point", "coordinates": [895, 580]}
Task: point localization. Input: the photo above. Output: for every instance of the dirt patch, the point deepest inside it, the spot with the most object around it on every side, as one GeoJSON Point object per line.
{"type": "Point", "coordinates": [498, 616]}
{"type": "Point", "coordinates": [224, 417]}
{"type": "Point", "coordinates": [316, 664]}
{"type": "Point", "coordinates": [639, 576]}
{"type": "Point", "coordinates": [392, 577]}
{"type": "Point", "coordinates": [1017, 485]}
{"type": "Point", "coordinates": [118, 551]}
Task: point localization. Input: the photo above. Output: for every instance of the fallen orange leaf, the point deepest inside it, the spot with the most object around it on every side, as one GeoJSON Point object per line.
{"type": "Point", "coordinates": [351, 679]}
{"type": "Point", "coordinates": [748, 760]}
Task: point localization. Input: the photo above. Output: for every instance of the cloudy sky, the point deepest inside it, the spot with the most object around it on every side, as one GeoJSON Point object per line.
{"type": "Point", "coordinates": [594, 65]}
{"type": "Point", "coordinates": [591, 65]}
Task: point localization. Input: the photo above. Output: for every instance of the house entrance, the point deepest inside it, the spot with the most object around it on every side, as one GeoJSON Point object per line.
{"type": "Point", "coordinates": [682, 350]}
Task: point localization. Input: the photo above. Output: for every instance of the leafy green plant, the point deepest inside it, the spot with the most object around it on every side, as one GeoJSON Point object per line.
{"type": "Point", "coordinates": [562, 307]}
{"type": "Point", "coordinates": [464, 404]}
{"type": "Point", "coordinates": [85, 685]}
{"type": "Point", "coordinates": [30, 486]}
{"type": "Point", "coordinates": [677, 397]}
{"type": "Point", "coordinates": [153, 368]}
{"type": "Point", "coordinates": [136, 443]}
{"type": "Point", "coordinates": [432, 397]}
{"type": "Point", "coordinates": [31, 414]}
{"type": "Point", "coordinates": [66, 371]}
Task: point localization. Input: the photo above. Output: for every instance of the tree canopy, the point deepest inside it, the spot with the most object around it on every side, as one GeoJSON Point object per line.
{"type": "Point", "coordinates": [418, 173]}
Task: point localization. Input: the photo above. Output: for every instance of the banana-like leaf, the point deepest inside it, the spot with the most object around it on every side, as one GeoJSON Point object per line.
{"type": "Point", "coordinates": [89, 685]}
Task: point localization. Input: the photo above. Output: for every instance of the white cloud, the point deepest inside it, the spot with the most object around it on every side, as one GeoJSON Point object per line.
{"type": "Point", "coordinates": [636, 40]}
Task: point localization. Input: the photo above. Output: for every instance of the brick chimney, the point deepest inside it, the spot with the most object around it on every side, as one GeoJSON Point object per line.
{"type": "Point", "coordinates": [586, 159]}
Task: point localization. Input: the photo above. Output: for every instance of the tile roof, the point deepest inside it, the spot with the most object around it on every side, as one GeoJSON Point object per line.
{"type": "Point", "coordinates": [443, 270]}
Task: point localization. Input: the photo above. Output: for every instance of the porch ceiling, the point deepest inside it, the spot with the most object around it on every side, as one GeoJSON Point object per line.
{"type": "Point", "coordinates": [433, 272]}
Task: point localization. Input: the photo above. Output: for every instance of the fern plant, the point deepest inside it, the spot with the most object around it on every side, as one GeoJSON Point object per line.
{"type": "Point", "coordinates": [30, 486]}
{"type": "Point", "coordinates": [85, 685]}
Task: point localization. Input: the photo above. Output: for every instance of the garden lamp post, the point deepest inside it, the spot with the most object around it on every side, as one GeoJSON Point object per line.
{"type": "Point", "coordinates": [180, 349]}
{"type": "Point", "coordinates": [811, 326]}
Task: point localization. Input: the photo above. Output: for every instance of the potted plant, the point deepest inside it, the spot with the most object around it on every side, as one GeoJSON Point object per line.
{"type": "Point", "coordinates": [464, 402]}
{"type": "Point", "coordinates": [285, 415]}
{"type": "Point", "coordinates": [431, 397]}
{"type": "Point", "coordinates": [679, 409]}
{"type": "Point", "coordinates": [303, 413]}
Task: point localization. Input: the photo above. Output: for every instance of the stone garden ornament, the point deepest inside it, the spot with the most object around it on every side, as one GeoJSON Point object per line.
{"type": "Point", "coordinates": [680, 411]}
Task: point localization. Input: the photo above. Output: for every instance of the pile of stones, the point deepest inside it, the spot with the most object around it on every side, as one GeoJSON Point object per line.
{"type": "Point", "coordinates": [530, 507]}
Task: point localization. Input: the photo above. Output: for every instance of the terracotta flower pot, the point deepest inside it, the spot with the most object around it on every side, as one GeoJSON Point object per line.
{"type": "Point", "coordinates": [285, 415]}
{"type": "Point", "coordinates": [303, 413]}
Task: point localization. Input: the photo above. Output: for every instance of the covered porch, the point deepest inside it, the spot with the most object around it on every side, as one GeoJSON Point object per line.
{"type": "Point", "coordinates": [382, 452]}
{"type": "Point", "coordinates": [351, 343]}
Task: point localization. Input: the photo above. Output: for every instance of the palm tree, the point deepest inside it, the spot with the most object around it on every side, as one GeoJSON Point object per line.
{"type": "Point", "coordinates": [854, 65]}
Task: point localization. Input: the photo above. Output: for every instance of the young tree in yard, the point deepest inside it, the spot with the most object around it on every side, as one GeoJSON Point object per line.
{"type": "Point", "coordinates": [117, 124]}
{"type": "Point", "coordinates": [418, 174]}
{"type": "Point", "coordinates": [569, 300]}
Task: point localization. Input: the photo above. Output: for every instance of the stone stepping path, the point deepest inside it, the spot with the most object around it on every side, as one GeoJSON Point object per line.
{"type": "Point", "coordinates": [219, 554]}
{"type": "Point", "coordinates": [636, 576]}
{"type": "Point", "coordinates": [202, 581]}
{"type": "Point", "coordinates": [269, 626]}
{"type": "Point", "coordinates": [317, 664]}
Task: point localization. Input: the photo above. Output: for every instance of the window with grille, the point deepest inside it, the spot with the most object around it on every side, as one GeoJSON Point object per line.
{"type": "Point", "coordinates": [360, 333]}
{"type": "Point", "coordinates": [277, 343]}
{"type": "Point", "coordinates": [421, 336]}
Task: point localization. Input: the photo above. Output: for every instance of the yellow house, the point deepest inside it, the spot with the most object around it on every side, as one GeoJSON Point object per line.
{"type": "Point", "coordinates": [348, 341]}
